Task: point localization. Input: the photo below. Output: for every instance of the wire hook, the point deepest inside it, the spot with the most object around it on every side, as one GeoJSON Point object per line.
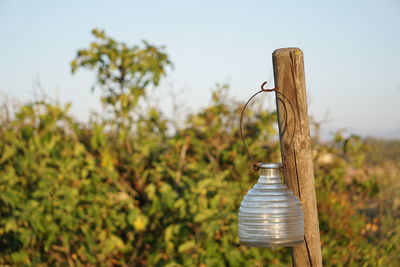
{"type": "Point", "coordinates": [263, 89]}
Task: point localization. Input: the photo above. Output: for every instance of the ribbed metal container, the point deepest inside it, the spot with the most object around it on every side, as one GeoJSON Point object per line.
{"type": "Point", "coordinates": [270, 214]}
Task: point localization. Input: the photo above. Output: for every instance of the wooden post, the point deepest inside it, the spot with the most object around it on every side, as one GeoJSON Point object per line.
{"type": "Point", "coordinates": [297, 155]}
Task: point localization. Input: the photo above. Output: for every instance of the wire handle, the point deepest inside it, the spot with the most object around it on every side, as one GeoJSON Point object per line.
{"type": "Point", "coordinates": [255, 165]}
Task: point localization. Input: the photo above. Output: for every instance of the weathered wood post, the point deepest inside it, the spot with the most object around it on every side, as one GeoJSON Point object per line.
{"type": "Point", "coordinates": [297, 155]}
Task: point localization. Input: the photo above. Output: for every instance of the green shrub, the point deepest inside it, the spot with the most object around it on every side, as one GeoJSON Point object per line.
{"type": "Point", "coordinates": [129, 189]}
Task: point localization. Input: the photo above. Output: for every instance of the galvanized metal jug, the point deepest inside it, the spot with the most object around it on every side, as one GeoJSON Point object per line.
{"type": "Point", "coordinates": [270, 214]}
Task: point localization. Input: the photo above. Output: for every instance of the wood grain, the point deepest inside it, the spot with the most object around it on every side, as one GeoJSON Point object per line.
{"type": "Point", "coordinates": [297, 155]}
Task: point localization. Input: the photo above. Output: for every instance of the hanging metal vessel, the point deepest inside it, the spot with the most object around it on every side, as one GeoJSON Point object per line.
{"type": "Point", "coordinates": [270, 214]}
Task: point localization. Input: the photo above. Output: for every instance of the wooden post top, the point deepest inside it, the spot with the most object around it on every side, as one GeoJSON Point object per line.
{"type": "Point", "coordinates": [287, 50]}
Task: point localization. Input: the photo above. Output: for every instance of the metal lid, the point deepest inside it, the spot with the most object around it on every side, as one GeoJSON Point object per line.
{"type": "Point", "coordinates": [271, 165]}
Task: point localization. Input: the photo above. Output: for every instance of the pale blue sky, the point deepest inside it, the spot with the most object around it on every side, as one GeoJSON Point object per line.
{"type": "Point", "coordinates": [352, 51]}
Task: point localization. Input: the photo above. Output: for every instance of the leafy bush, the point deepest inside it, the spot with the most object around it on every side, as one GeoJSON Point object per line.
{"type": "Point", "coordinates": [128, 189]}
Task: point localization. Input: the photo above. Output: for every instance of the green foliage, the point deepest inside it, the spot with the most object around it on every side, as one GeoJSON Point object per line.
{"type": "Point", "coordinates": [123, 72]}
{"type": "Point", "coordinates": [107, 193]}
{"type": "Point", "coordinates": [382, 150]}
{"type": "Point", "coordinates": [76, 194]}
{"type": "Point", "coordinates": [59, 202]}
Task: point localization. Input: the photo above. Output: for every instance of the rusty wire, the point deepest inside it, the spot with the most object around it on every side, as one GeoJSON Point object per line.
{"type": "Point", "coordinates": [265, 90]}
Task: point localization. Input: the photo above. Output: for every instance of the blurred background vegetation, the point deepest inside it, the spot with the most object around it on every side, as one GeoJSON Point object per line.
{"type": "Point", "coordinates": [132, 187]}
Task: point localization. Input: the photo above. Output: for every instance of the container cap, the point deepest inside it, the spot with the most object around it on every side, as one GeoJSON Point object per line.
{"type": "Point", "coordinates": [262, 165]}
